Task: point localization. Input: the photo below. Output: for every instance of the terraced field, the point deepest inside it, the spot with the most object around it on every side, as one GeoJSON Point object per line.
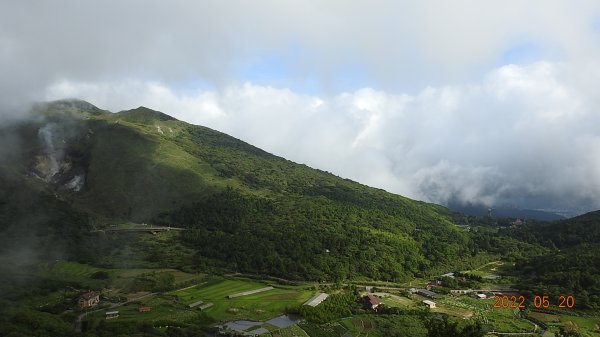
{"type": "Point", "coordinates": [117, 280]}
{"type": "Point", "coordinates": [501, 320]}
{"type": "Point", "coordinates": [260, 306]}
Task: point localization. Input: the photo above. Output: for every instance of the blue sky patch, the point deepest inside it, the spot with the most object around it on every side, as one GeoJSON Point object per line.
{"type": "Point", "coordinates": [522, 53]}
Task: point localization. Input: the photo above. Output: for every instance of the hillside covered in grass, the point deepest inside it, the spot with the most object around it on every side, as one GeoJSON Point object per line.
{"type": "Point", "coordinates": [72, 168]}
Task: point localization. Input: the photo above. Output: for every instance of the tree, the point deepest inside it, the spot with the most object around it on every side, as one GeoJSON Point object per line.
{"type": "Point", "coordinates": [164, 281]}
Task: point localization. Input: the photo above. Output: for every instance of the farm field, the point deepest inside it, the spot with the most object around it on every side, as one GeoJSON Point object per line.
{"type": "Point", "coordinates": [396, 301]}
{"type": "Point", "coordinates": [292, 331]}
{"type": "Point", "coordinates": [543, 317]}
{"type": "Point", "coordinates": [163, 310]}
{"type": "Point", "coordinates": [501, 320]}
{"type": "Point", "coordinates": [359, 325]}
{"type": "Point", "coordinates": [487, 269]}
{"type": "Point", "coordinates": [333, 329]}
{"type": "Point", "coordinates": [260, 306]}
{"type": "Point", "coordinates": [586, 326]}
{"type": "Point", "coordinates": [117, 279]}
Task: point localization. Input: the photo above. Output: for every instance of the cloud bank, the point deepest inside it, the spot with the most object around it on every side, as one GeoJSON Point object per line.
{"type": "Point", "coordinates": [488, 101]}
{"type": "Point", "coordinates": [524, 135]}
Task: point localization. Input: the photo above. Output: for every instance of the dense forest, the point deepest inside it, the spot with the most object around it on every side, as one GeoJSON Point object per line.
{"type": "Point", "coordinates": [572, 266]}
{"type": "Point", "coordinates": [318, 239]}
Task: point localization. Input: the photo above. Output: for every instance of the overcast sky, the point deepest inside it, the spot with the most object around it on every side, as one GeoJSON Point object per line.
{"type": "Point", "coordinates": [479, 101]}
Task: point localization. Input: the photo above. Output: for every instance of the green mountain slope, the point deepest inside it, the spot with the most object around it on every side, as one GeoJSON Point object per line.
{"type": "Point", "coordinates": [572, 267]}
{"type": "Point", "coordinates": [247, 210]}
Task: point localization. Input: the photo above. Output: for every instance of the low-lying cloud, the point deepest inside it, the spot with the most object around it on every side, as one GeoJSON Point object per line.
{"type": "Point", "coordinates": [524, 135]}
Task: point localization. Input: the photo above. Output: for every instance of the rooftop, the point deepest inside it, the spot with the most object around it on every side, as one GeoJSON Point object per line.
{"type": "Point", "coordinates": [373, 300]}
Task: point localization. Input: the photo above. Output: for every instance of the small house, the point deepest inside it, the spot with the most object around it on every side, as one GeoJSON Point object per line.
{"type": "Point", "coordinates": [481, 296]}
{"type": "Point", "coordinates": [517, 222]}
{"type": "Point", "coordinates": [433, 284]}
{"type": "Point", "coordinates": [144, 308]}
{"type": "Point", "coordinates": [429, 304]}
{"type": "Point", "coordinates": [88, 300]}
{"type": "Point", "coordinates": [112, 314]}
{"type": "Point", "coordinates": [371, 302]}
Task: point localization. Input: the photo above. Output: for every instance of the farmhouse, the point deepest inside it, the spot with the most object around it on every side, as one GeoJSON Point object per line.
{"type": "Point", "coordinates": [371, 302]}
{"type": "Point", "coordinates": [433, 284]}
{"type": "Point", "coordinates": [429, 304]}
{"type": "Point", "coordinates": [112, 314]}
{"type": "Point", "coordinates": [316, 300]}
{"type": "Point", "coordinates": [517, 222]}
{"type": "Point", "coordinates": [88, 300]}
{"type": "Point", "coordinates": [144, 308]}
{"type": "Point", "coordinates": [426, 293]}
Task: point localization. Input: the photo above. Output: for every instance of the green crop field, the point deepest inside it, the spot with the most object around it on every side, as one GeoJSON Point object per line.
{"type": "Point", "coordinates": [70, 270]}
{"type": "Point", "coordinates": [83, 274]}
{"type": "Point", "coordinates": [334, 329]}
{"type": "Point", "coordinates": [501, 320]}
{"type": "Point", "coordinates": [162, 311]}
{"type": "Point", "coordinates": [291, 331]}
{"type": "Point", "coordinates": [397, 301]}
{"type": "Point", "coordinates": [586, 326]}
{"type": "Point", "coordinates": [260, 306]}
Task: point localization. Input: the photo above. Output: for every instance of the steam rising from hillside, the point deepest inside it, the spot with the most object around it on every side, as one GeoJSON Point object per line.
{"type": "Point", "coordinates": [53, 155]}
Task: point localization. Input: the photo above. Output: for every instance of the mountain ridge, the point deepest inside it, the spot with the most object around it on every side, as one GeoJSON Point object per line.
{"type": "Point", "coordinates": [141, 165]}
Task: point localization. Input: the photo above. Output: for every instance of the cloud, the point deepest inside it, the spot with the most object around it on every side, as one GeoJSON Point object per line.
{"type": "Point", "coordinates": [523, 135]}
{"type": "Point", "coordinates": [419, 98]}
{"type": "Point", "coordinates": [398, 46]}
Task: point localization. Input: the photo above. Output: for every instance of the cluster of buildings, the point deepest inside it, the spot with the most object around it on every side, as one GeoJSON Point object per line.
{"type": "Point", "coordinates": [91, 299]}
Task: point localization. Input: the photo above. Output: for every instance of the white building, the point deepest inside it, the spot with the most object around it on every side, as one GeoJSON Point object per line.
{"type": "Point", "coordinates": [429, 304]}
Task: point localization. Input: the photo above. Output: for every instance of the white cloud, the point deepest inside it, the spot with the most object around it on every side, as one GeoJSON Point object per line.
{"type": "Point", "coordinates": [524, 132]}
{"type": "Point", "coordinates": [442, 115]}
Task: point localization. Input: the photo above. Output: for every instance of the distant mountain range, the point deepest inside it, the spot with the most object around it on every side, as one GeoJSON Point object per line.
{"type": "Point", "coordinates": [505, 212]}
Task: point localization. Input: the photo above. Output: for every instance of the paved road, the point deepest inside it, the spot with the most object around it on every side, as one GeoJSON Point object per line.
{"type": "Point", "coordinates": [139, 229]}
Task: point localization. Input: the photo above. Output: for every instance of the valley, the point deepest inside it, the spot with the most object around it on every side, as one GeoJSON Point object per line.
{"type": "Point", "coordinates": [168, 300]}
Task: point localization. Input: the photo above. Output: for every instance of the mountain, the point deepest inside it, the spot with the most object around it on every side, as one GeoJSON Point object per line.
{"type": "Point", "coordinates": [73, 167]}
{"type": "Point", "coordinates": [572, 266]}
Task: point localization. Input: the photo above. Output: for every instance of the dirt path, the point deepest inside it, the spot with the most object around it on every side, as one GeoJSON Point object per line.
{"type": "Point", "coordinates": [112, 306]}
